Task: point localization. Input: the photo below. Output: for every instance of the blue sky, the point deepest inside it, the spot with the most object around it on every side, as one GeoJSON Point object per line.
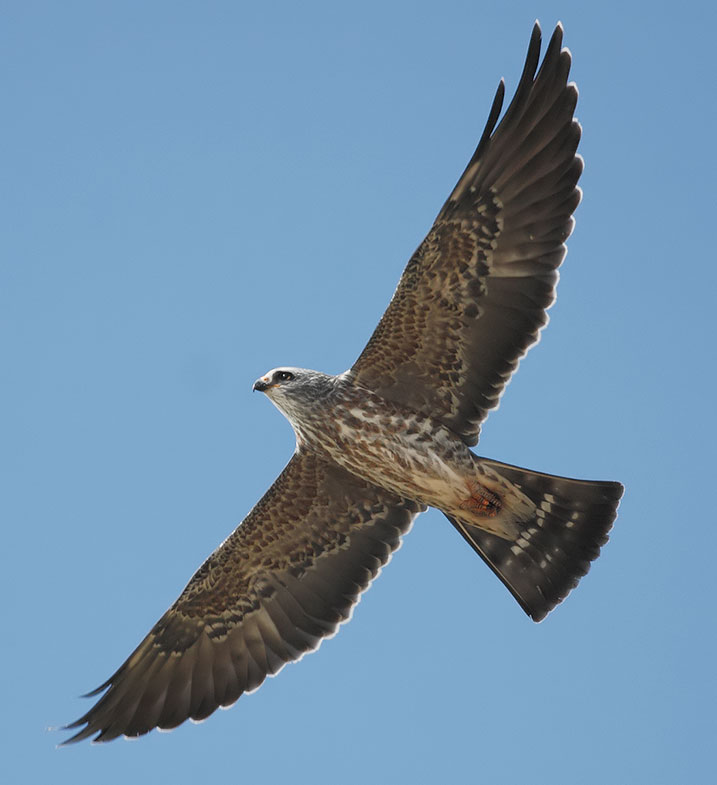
{"type": "Point", "coordinates": [195, 193]}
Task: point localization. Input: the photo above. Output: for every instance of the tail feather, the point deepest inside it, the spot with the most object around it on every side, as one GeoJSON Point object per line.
{"type": "Point", "coordinates": [554, 548]}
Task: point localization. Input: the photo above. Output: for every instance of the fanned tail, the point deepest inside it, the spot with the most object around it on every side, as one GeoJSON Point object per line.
{"type": "Point", "coordinates": [555, 546]}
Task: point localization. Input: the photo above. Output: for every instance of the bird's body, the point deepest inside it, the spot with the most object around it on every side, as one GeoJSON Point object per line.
{"type": "Point", "coordinates": [402, 451]}
{"type": "Point", "coordinates": [378, 444]}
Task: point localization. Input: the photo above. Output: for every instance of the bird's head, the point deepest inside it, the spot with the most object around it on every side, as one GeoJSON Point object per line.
{"type": "Point", "coordinates": [279, 377]}
{"type": "Point", "coordinates": [296, 392]}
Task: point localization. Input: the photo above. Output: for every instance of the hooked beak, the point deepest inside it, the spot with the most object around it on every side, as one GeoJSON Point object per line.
{"type": "Point", "coordinates": [261, 385]}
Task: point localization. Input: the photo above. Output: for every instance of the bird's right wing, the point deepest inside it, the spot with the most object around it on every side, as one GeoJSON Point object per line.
{"type": "Point", "coordinates": [473, 298]}
{"type": "Point", "coordinates": [283, 581]}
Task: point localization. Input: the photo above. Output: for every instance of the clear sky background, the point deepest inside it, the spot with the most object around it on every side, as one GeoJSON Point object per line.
{"type": "Point", "coordinates": [194, 193]}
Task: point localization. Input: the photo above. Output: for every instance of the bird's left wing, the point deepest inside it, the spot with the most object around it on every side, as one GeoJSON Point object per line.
{"type": "Point", "coordinates": [474, 296]}
{"type": "Point", "coordinates": [283, 581]}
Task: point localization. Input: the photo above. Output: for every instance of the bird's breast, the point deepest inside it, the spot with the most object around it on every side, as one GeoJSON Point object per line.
{"type": "Point", "coordinates": [402, 451]}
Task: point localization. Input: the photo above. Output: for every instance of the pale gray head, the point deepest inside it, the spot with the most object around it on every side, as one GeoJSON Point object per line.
{"type": "Point", "coordinates": [298, 393]}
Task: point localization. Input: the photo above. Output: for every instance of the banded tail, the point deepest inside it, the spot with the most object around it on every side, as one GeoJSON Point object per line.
{"type": "Point", "coordinates": [554, 547]}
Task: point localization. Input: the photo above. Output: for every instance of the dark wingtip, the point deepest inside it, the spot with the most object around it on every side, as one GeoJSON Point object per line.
{"type": "Point", "coordinates": [72, 726]}
{"type": "Point", "coordinates": [97, 690]}
{"type": "Point", "coordinates": [56, 729]}
{"type": "Point", "coordinates": [532, 57]}
{"type": "Point", "coordinates": [73, 739]}
{"type": "Point", "coordinates": [556, 40]}
{"type": "Point", "coordinates": [526, 79]}
{"type": "Point", "coordinates": [85, 732]}
{"type": "Point", "coordinates": [492, 120]}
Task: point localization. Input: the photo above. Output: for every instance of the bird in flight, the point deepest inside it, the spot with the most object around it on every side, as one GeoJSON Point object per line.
{"type": "Point", "coordinates": [380, 443]}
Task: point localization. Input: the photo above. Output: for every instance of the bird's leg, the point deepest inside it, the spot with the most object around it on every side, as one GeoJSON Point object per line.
{"type": "Point", "coordinates": [481, 501]}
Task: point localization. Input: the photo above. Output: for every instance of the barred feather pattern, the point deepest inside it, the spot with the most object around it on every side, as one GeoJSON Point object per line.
{"type": "Point", "coordinates": [475, 294]}
{"type": "Point", "coordinates": [281, 583]}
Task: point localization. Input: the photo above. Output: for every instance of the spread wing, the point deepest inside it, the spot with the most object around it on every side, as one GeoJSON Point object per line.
{"type": "Point", "coordinates": [474, 296]}
{"type": "Point", "coordinates": [285, 579]}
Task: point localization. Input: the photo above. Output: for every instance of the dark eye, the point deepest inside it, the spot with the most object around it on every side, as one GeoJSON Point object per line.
{"type": "Point", "coordinates": [284, 376]}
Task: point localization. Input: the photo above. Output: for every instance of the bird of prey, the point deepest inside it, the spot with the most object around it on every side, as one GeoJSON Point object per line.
{"type": "Point", "coordinates": [379, 443]}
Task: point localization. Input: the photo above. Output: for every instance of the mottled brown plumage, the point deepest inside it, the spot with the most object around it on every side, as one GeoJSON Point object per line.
{"type": "Point", "coordinates": [474, 296]}
{"type": "Point", "coordinates": [380, 442]}
{"type": "Point", "coordinates": [283, 581]}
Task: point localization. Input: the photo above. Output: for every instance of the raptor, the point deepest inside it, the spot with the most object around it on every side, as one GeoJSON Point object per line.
{"type": "Point", "coordinates": [378, 444]}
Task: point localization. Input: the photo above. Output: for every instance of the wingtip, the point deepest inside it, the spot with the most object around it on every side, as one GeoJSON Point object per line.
{"type": "Point", "coordinates": [536, 37]}
{"type": "Point", "coordinates": [82, 734]}
{"type": "Point", "coordinates": [94, 693]}
{"type": "Point", "coordinates": [72, 727]}
{"type": "Point", "coordinates": [73, 739]}
{"type": "Point", "coordinates": [58, 729]}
